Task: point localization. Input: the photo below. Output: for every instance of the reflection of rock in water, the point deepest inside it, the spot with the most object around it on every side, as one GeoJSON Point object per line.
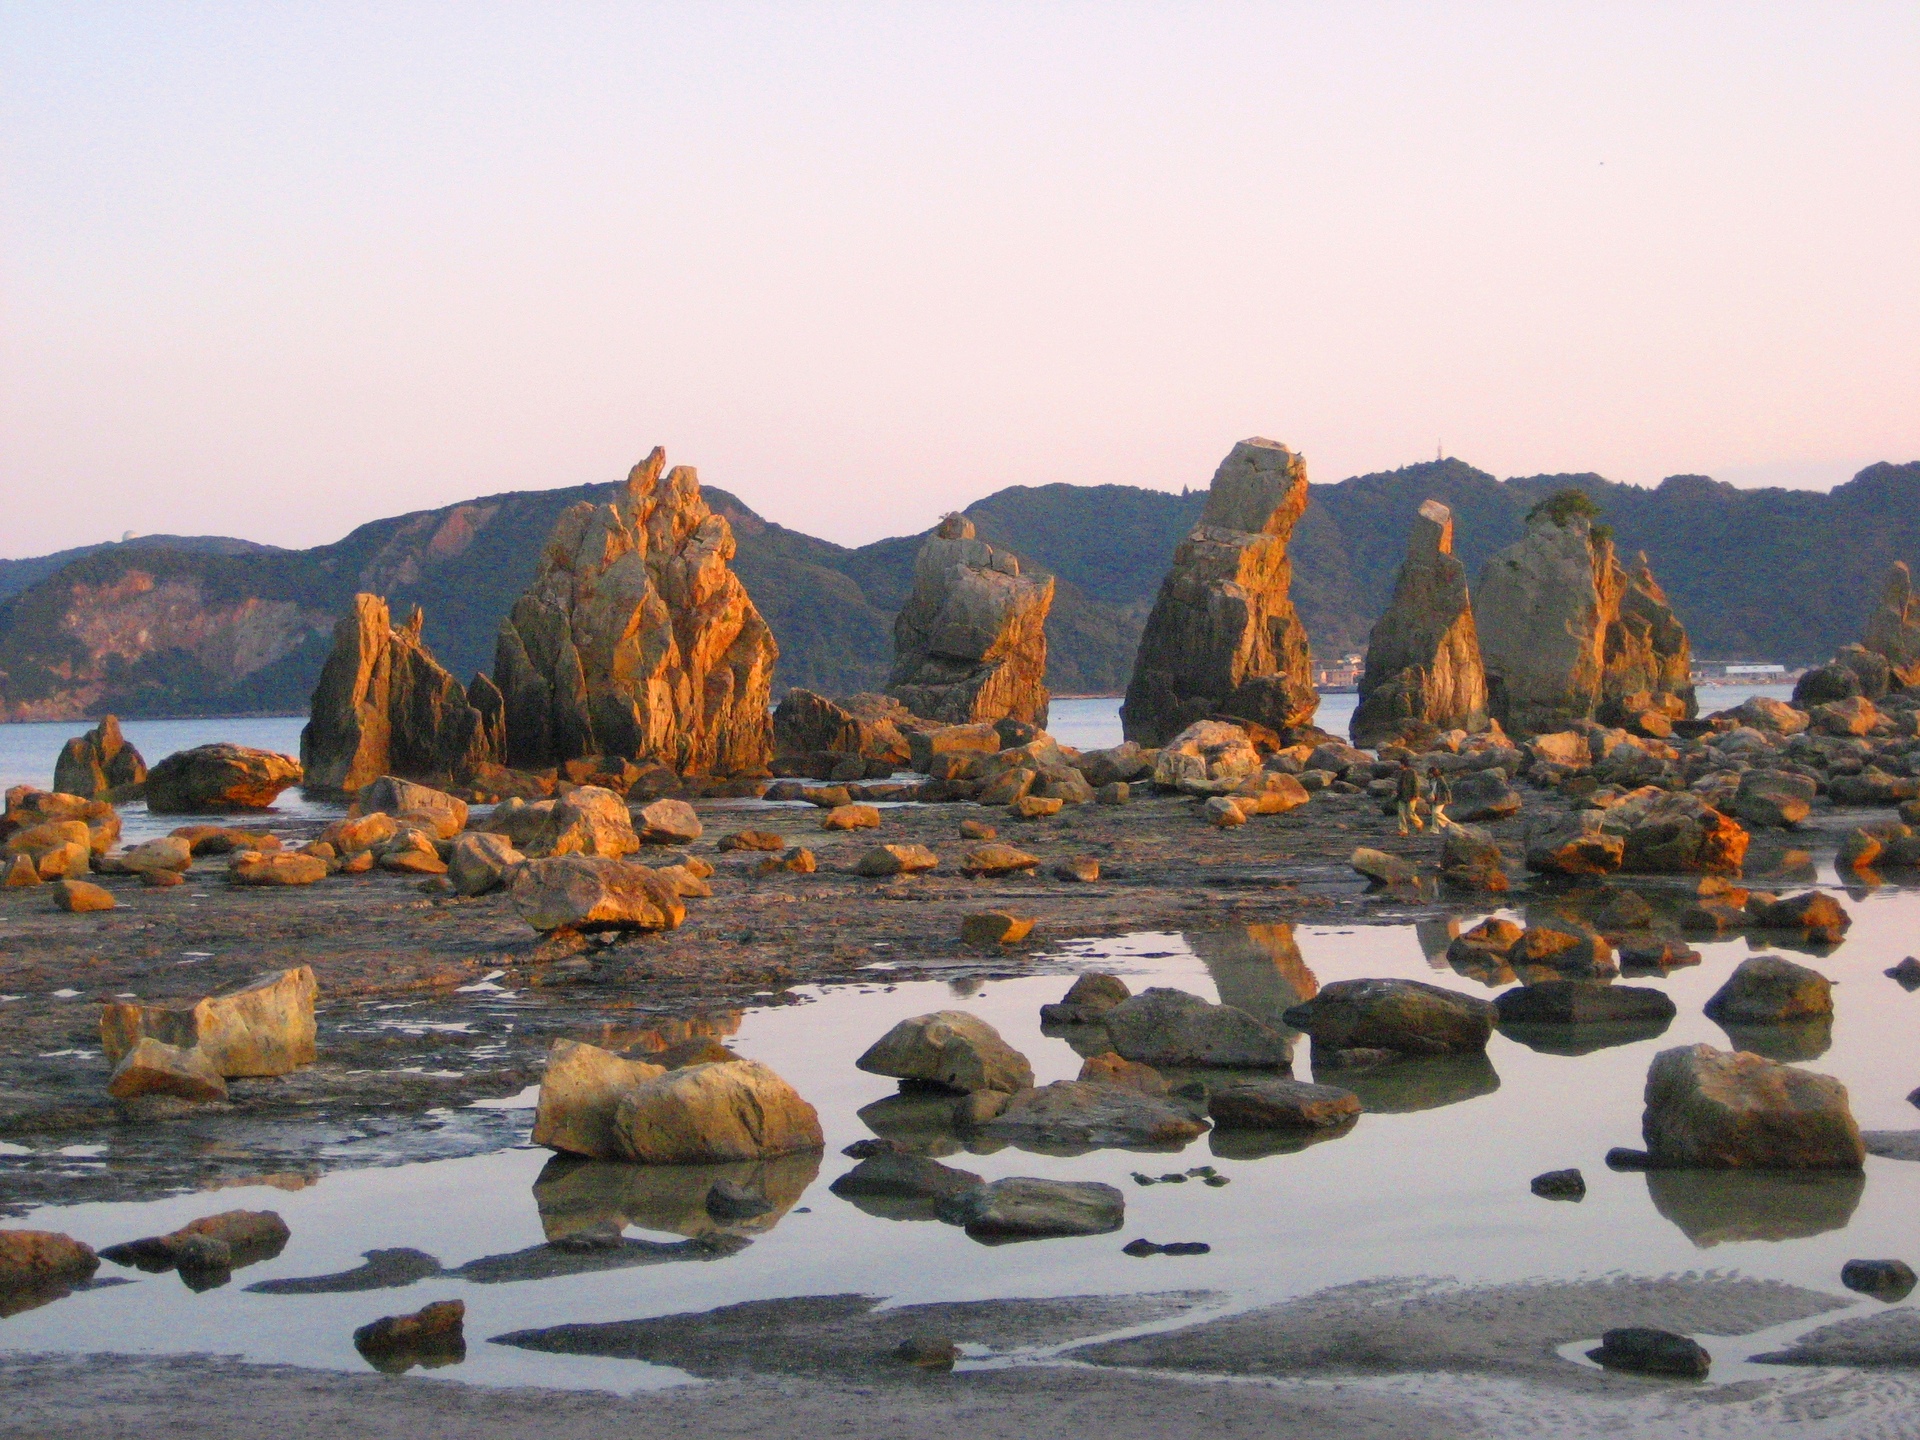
{"type": "Point", "coordinates": [575, 1194]}
{"type": "Point", "coordinates": [1715, 1206]}
{"type": "Point", "coordinates": [1584, 1039]}
{"type": "Point", "coordinates": [597, 1253]}
{"type": "Point", "coordinates": [1086, 1041]}
{"type": "Point", "coordinates": [382, 1270]}
{"type": "Point", "coordinates": [1259, 1144]}
{"type": "Point", "coordinates": [639, 1041]}
{"type": "Point", "coordinates": [921, 1121]}
{"type": "Point", "coordinates": [1435, 936]}
{"type": "Point", "coordinates": [841, 1334]}
{"type": "Point", "coordinates": [1256, 968]}
{"type": "Point", "coordinates": [1416, 1083]}
{"type": "Point", "coordinates": [1789, 1041]}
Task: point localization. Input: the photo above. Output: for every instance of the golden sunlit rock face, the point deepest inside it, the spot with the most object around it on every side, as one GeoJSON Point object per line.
{"type": "Point", "coordinates": [637, 639]}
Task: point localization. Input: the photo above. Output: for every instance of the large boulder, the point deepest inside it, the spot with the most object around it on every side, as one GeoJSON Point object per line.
{"type": "Point", "coordinates": [713, 1113]}
{"type": "Point", "coordinates": [1423, 654]}
{"type": "Point", "coordinates": [481, 862]}
{"type": "Point", "coordinates": [1408, 1017]}
{"type": "Point", "coordinates": [637, 639]}
{"type": "Point", "coordinates": [1281, 1104]}
{"type": "Point", "coordinates": [445, 815]}
{"type": "Point", "coordinates": [970, 644]}
{"type": "Point", "coordinates": [100, 765]}
{"type": "Point", "coordinates": [264, 1027]}
{"type": "Point", "coordinates": [1209, 757]}
{"type": "Point", "coordinates": [593, 892]}
{"type": "Point", "coordinates": [585, 821]}
{"type": "Point", "coordinates": [1576, 843]}
{"type": "Point", "coordinates": [1719, 1110]}
{"type": "Point", "coordinates": [219, 777]}
{"type": "Point", "coordinates": [1023, 1208]}
{"type": "Point", "coordinates": [1223, 637]}
{"type": "Point", "coordinates": [1763, 712]}
{"type": "Point", "coordinates": [153, 1067]}
{"type": "Point", "coordinates": [874, 727]}
{"type": "Point", "coordinates": [1675, 832]}
{"type": "Point", "coordinates": [1166, 1027]}
{"type": "Point", "coordinates": [579, 1094]}
{"type": "Point", "coordinates": [29, 809]}
{"type": "Point", "coordinates": [1483, 795]}
{"type": "Point", "coordinates": [1583, 1002]}
{"type": "Point", "coordinates": [1648, 662]}
{"type": "Point", "coordinates": [1893, 630]}
{"type": "Point", "coordinates": [1087, 1114]}
{"type": "Point", "coordinates": [1771, 990]}
{"type": "Point", "coordinates": [385, 706]}
{"type": "Point", "coordinates": [951, 1049]}
{"type": "Point", "coordinates": [1774, 799]}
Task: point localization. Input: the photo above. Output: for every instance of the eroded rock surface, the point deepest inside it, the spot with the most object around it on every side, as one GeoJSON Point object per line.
{"type": "Point", "coordinates": [1423, 654]}
{"type": "Point", "coordinates": [100, 765]}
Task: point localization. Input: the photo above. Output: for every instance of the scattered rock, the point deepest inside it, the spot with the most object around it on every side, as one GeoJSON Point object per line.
{"type": "Point", "coordinates": [1560, 1185]}
{"type": "Point", "coordinates": [951, 1049]}
{"type": "Point", "coordinates": [1777, 799]}
{"type": "Point", "coordinates": [481, 862]}
{"type": "Point", "coordinates": [1089, 1114]}
{"type": "Point", "coordinates": [1711, 1109]}
{"type": "Point", "coordinates": [1652, 1352]}
{"type": "Point", "coordinates": [927, 1352]}
{"type": "Point", "coordinates": [977, 830]}
{"type": "Point", "coordinates": [1907, 972]}
{"type": "Point", "coordinates": [249, 1236]}
{"type": "Point", "coordinates": [797, 861]}
{"type": "Point", "coordinates": [441, 815]}
{"type": "Point", "coordinates": [1281, 1104]}
{"type": "Point", "coordinates": [709, 1114]}
{"type": "Point", "coordinates": [1087, 1002]}
{"type": "Point", "coordinates": [1407, 1017]}
{"type": "Point", "coordinates": [1770, 990]}
{"type": "Point", "coordinates": [1082, 870]}
{"type": "Point", "coordinates": [1382, 868]}
{"type": "Point", "coordinates": [81, 897]}
{"type": "Point", "coordinates": [667, 822]}
{"type": "Point", "coordinates": [1888, 1280]}
{"type": "Point", "coordinates": [593, 892]}
{"type": "Point", "coordinates": [851, 817]}
{"type": "Point", "coordinates": [579, 1093]}
{"type": "Point", "coordinates": [752, 840]}
{"type": "Point", "coordinates": [431, 1336]}
{"type": "Point", "coordinates": [1022, 1208]}
{"type": "Point", "coordinates": [1574, 844]}
{"type": "Point", "coordinates": [250, 867]}
{"type": "Point", "coordinates": [1816, 915]}
{"type": "Point", "coordinates": [997, 860]}
{"type": "Point", "coordinates": [1116, 792]}
{"type": "Point", "coordinates": [152, 1067]}
{"type": "Point", "coordinates": [261, 1028]}
{"type": "Point", "coordinates": [1165, 1028]}
{"type": "Point", "coordinates": [40, 1260]}
{"type": "Point", "coordinates": [1143, 1248]}
{"type": "Point", "coordinates": [219, 777]}
{"type": "Point", "coordinates": [1109, 1068]}
{"type": "Point", "coordinates": [1582, 1002]}
{"type": "Point", "coordinates": [1480, 795]}
{"type": "Point", "coordinates": [1209, 757]}
{"type": "Point", "coordinates": [1034, 807]}
{"type": "Point", "coordinates": [995, 927]}
{"type": "Point", "coordinates": [891, 1175]}
{"type": "Point", "coordinates": [887, 860]}
{"type": "Point", "coordinates": [21, 871]}
{"type": "Point", "coordinates": [1223, 813]}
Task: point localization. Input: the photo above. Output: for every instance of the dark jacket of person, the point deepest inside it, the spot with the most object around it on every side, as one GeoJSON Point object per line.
{"type": "Point", "coordinates": [1407, 786]}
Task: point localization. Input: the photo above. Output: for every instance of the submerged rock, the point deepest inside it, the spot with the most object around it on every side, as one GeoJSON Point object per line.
{"type": "Point", "coordinates": [1405, 1017]}
{"type": "Point", "coordinates": [1164, 1027]}
{"type": "Point", "coordinates": [1081, 1114]}
{"type": "Point", "coordinates": [1223, 637]}
{"type": "Point", "coordinates": [1022, 1208]}
{"type": "Point", "coordinates": [970, 644]}
{"type": "Point", "coordinates": [1279, 1104]}
{"type": "Point", "coordinates": [1652, 1352]}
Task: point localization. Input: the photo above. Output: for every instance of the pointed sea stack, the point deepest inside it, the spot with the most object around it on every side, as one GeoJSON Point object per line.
{"type": "Point", "coordinates": [971, 642]}
{"type": "Point", "coordinates": [637, 639]}
{"type": "Point", "coordinates": [1423, 655]}
{"type": "Point", "coordinates": [1893, 630]}
{"type": "Point", "coordinates": [385, 706]}
{"type": "Point", "coordinates": [1223, 637]}
{"type": "Point", "coordinates": [100, 765]}
{"type": "Point", "coordinates": [1649, 661]}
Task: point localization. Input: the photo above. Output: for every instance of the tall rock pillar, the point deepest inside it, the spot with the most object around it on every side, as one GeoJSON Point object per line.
{"type": "Point", "coordinates": [971, 642]}
{"type": "Point", "coordinates": [1223, 637]}
{"type": "Point", "coordinates": [1893, 630]}
{"type": "Point", "coordinates": [1423, 655]}
{"type": "Point", "coordinates": [1542, 606]}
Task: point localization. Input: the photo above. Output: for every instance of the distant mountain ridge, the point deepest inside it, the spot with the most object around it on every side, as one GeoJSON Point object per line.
{"type": "Point", "coordinates": [210, 625]}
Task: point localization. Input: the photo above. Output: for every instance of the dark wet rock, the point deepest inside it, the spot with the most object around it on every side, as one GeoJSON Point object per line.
{"type": "Point", "coordinates": [1622, 1157]}
{"type": "Point", "coordinates": [384, 1270]}
{"type": "Point", "coordinates": [902, 1187]}
{"type": "Point", "coordinates": [249, 1236]}
{"type": "Point", "coordinates": [1582, 1002]}
{"type": "Point", "coordinates": [1559, 1185]}
{"type": "Point", "coordinates": [481, 863]}
{"type": "Point", "coordinates": [1574, 844]}
{"type": "Point", "coordinates": [1223, 637]}
{"type": "Point", "coordinates": [919, 1121]}
{"type": "Point", "coordinates": [1714, 1207]}
{"type": "Point", "coordinates": [995, 927]}
{"type": "Point", "coordinates": [885, 861]}
{"type": "Point", "coordinates": [844, 1335]}
{"type": "Point", "coordinates": [729, 1200]}
{"type": "Point", "coordinates": [1894, 1144]}
{"type": "Point", "coordinates": [1778, 799]}
{"type": "Point", "coordinates": [1652, 1352]}
{"type": "Point", "coordinates": [1143, 1249]}
{"type": "Point", "coordinates": [1024, 1208]}
{"type": "Point", "coordinates": [1888, 1280]}
{"type": "Point", "coordinates": [432, 1336]}
{"type": "Point", "coordinates": [1770, 990]}
{"type": "Point", "coordinates": [219, 777]}
{"type": "Point", "coordinates": [1397, 1085]}
{"type": "Point", "coordinates": [1165, 1028]}
{"type": "Point", "coordinates": [1409, 1017]}
{"type": "Point", "coordinates": [1815, 914]}
{"type": "Point", "coordinates": [1073, 1116]}
{"type": "Point", "coordinates": [1281, 1104]}
{"type": "Point", "coordinates": [1654, 954]}
{"type": "Point", "coordinates": [1907, 972]}
{"type": "Point", "coordinates": [1087, 1001]}
{"type": "Point", "coordinates": [927, 1352]}
{"type": "Point", "coordinates": [1711, 1109]}
{"type": "Point", "coordinates": [952, 1049]}
{"type": "Point", "coordinates": [1889, 1340]}
{"type": "Point", "coordinates": [35, 1261]}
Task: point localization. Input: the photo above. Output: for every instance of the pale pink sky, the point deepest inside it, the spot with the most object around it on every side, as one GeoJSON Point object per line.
{"type": "Point", "coordinates": [275, 270]}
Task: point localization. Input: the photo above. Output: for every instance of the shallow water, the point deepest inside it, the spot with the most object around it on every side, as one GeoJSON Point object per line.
{"type": "Point", "coordinates": [1432, 1181]}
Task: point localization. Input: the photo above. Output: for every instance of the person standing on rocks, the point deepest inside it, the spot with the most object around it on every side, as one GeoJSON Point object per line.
{"type": "Point", "coordinates": [1439, 796]}
{"type": "Point", "coordinates": [1406, 795]}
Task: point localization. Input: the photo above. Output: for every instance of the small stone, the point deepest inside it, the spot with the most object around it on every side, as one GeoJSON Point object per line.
{"type": "Point", "coordinates": [752, 840]}
{"type": "Point", "coordinates": [797, 861]}
{"type": "Point", "coordinates": [436, 885]}
{"type": "Point", "coordinates": [1621, 1157]}
{"type": "Point", "coordinates": [995, 927]}
{"type": "Point", "coordinates": [928, 1352]}
{"type": "Point", "coordinates": [997, 860]}
{"type": "Point", "coordinates": [1023, 1207]}
{"type": "Point", "coordinates": [434, 1334]}
{"type": "Point", "coordinates": [1560, 1185]}
{"type": "Point", "coordinates": [1651, 1352]}
{"type": "Point", "coordinates": [1888, 1280]}
{"type": "Point", "coordinates": [1089, 998]}
{"type": "Point", "coordinates": [1035, 807]}
{"type": "Point", "coordinates": [1907, 972]}
{"type": "Point", "coordinates": [977, 830]}
{"type": "Point", "coordinates": [887, 860]}
{"type": "Point", "coordinates": [1083, 870]}
{"type": "Point", "coordinates": [1382, 868]}
{"type": "Point", "coordinates": [80, 897]}
{"type": "Point", "coordinates": [1223, 813]}
{"type": "Point", "coordinates": [1141, 1249]}
{"type": "Point", "coordinates": [851, 817]}
{"type": "Point", "coordinates": [161, 879]}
